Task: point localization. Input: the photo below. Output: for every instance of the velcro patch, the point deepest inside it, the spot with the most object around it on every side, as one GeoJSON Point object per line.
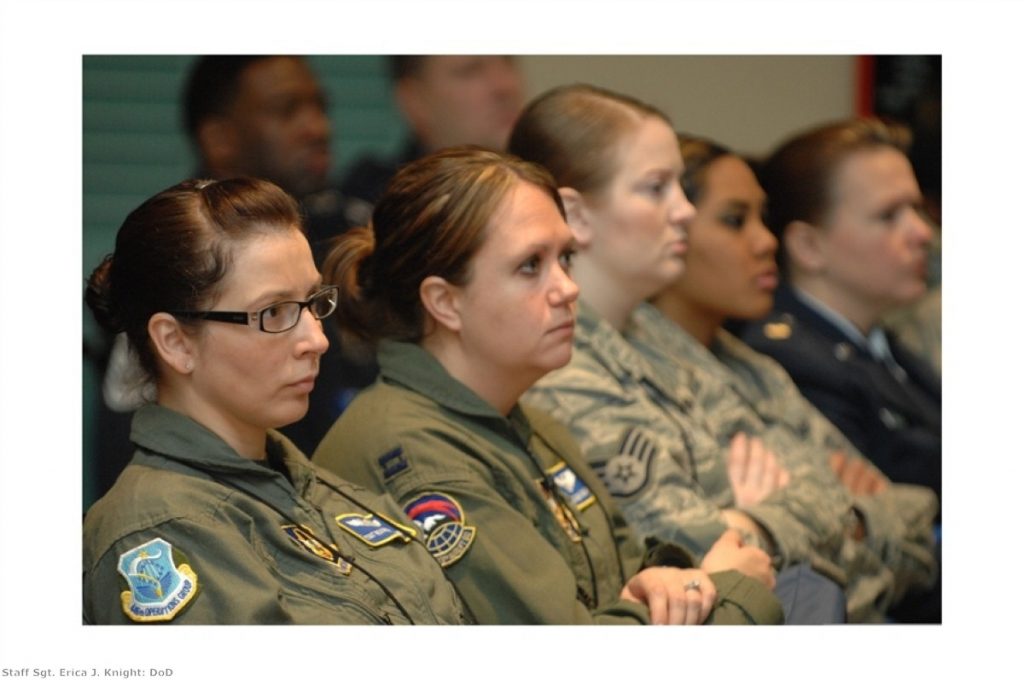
{"type": "Point", "coordinates": [374, 530]}
{"type": "Point", "coordinates": [158, 588]}
{"type": "Point", "coordinates": [392, 462]}
{"type": "Point", "coordinates": [444, 525]}
{"type": "Point", "coordinates": [571, 485]}
{"type": "Point", "coordinates": [627, 473]}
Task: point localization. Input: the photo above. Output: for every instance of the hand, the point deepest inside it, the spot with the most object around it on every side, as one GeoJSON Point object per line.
{"type": "Point", "coordinates": [663, 590]}
{"type": "Point", "coordinates": [859, 477]}
{"type": "Point", "coordinates": [754, 471]}
{"type": "Point", "coordinates": [728, 552]}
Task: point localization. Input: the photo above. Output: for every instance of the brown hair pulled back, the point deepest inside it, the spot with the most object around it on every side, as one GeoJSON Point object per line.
{"type": "Point", "coordinates": [799, 176]}
{"type": "Point", "coordinates": [173, 250]}
{"type": "Point", "coordinates": [431, 220]}
{"type": "Point", "coordinates": [574, 131]}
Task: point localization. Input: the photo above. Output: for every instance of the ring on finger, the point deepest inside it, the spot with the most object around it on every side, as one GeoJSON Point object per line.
{"type": "Point", "coordinates": [692, 585]}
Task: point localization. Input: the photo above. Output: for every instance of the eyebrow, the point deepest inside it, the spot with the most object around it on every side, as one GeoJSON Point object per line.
{"type": "Point", "coordinates": [272, 296]}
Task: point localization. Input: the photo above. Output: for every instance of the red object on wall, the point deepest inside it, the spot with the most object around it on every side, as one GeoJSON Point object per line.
{"type": "Point", "coordinates": [865, 79]}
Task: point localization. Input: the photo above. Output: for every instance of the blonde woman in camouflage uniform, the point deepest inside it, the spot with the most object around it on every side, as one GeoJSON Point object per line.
{"type": "Point", "coordinates": [731, 273]}
{"type": "Point", "coordinates": [642, 426]}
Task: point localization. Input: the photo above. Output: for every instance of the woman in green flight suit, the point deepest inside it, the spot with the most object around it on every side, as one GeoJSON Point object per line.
{"type": "Point", "coordinates": [463, 279]}
{"type": "Point", "coordinates": [217, 518]}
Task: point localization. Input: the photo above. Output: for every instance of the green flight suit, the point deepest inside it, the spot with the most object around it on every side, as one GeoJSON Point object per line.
{"type": "Point", "coordinates": [191, 532]}
{"type": "Point", "coordinates": [526, 531]}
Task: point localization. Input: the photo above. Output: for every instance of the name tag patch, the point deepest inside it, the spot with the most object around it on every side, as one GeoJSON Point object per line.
{"type": "Point", "coordinates": [374, 530]}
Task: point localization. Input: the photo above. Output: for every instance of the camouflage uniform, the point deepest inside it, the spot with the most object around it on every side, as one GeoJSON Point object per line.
{"type": "Point", "coordinates": [762, 399]}
{"type": "Point", "coordinates": [642, 429]}
{"type": "Point", "coordinates": [521, 525]}
{"type": "Point", "coordinates": [192, 533]}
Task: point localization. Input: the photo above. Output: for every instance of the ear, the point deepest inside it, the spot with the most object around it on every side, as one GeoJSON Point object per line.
{"type": "Point", "coordinates": [218, 144]}
{"type": "Point", "coordinates": [171, 343]}
{"type": "Point", "coordinates": [441, 300]}
{"type": "Point", "coordinates": [805, 246]}
{"type": "Point", "coordinates": [408, 96]}
{"type": "Point", "coordinates": [577, 216]}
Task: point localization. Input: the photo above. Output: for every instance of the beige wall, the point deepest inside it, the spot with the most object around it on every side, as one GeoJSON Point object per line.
{"type": "Point", "coordinates": [747, 102]}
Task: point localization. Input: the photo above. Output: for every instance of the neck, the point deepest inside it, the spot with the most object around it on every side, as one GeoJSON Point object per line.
{"type": "Point", "coordinates": [612, 301]}
{"type": "Point", "coordinates": [247, 441]}
{"type": "Point", "coordinates": [859, 312]}
{"type": "Point", "coordinates": [498, 388]}
{"type": "Point", "coordinates": [700, 324]}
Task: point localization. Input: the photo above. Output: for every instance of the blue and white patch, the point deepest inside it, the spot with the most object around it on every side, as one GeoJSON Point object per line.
{"type": "Point", "coordinates": [158, 588]}
{"type": "Point", "coordinates": [572, 486]}
{"type": "Point", "coordinates": [627, 473]}
{"type": "Point", "coordinates": [392, 462]}
{"type": "Point", "coordinates": [374, 530]}
{"type": "Point", "coordinates": [444, 524]}
{"type": "Point", "coordinates": [305, 539]}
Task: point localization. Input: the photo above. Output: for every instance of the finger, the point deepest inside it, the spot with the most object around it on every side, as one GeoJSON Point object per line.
{"type": "Point", "coordinates": [657, 606]}
{"type": "Point", "coordinates": [708, 596]}
{"type": "Point", "coordinates": [739, 454]}
{"type": "Point", "coordinates": [692, 603]}
{"type": "Point", "coordinates": [755, 466]}
{"type": "Point", "coordinates": [731, 536]}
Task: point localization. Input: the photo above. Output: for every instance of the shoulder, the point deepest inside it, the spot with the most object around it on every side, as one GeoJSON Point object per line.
{"type": "Point", "coordinates": [144, 497]}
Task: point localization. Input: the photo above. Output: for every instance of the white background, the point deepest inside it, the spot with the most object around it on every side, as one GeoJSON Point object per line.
{"type": "Point", "coordinates": [40, 332]}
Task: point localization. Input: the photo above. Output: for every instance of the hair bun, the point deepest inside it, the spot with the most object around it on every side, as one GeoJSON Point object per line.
{"type": "Point", "coordinates": [99, 298]}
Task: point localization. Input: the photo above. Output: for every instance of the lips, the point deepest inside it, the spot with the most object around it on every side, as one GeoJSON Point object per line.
{"type": "Point", "coordinates": [568, 326]}
{"type": "Point", "coordinates": [768, 279]}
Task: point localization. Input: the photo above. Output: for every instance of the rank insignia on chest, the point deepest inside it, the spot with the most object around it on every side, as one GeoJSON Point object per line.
{"type": "Point", "coordinates": [444, 525]}
{"type": "Point", "coordinates": [571, 485]}
{"type": "Point", "coordinates": [627, 472]}
{"type": "Point", "coordinates": [558, 508]}
{"type": "Point", "coordinates": [305, 539]}
{"type": "Point", "coordinates": [374, 530]}
{"type": "Point", "coordinates": [160, 583]}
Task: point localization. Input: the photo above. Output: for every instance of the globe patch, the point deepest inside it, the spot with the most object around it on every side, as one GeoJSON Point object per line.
{"type": "Point", "coordinates": [158, 589]}
{"type": "Point", "coordinates": [443, 523]}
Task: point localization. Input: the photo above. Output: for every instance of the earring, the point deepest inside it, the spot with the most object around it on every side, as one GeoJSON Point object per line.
{"type": "Point", "coordinates": [189, 365]}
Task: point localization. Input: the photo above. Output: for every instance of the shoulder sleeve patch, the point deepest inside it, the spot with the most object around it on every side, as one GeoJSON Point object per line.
{"type": "Point", "coordinates": [443, 522]}
{"type": "Point", "coordinates": [626, 473]}
{"type": "Point", "coordinates": [158, 587]}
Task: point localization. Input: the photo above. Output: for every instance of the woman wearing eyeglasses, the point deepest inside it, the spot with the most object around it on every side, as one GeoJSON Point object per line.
{"type": "Point", "coordinates": [218, 518]}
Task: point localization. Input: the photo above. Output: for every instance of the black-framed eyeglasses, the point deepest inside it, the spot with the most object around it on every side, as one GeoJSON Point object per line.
{"type": "Point", "coordinates": [278, 317]}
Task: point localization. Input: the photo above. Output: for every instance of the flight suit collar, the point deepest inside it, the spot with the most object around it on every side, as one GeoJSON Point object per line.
{"type": "Point", "coordinates": [412, 367]}
{"type": "Point", "coordinates": [175, 436]}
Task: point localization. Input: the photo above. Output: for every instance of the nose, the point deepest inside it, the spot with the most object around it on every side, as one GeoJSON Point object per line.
{"type": "Point", "coordinates": [311, 336]}
{"type": "Point", "coordinates": [920, 228]}
{"type": "Point", "coordinates": [563, 290]}
{"type": "Point", "coordinates": [765, 242]}
{"type": "Point", "coordinates": [681, 211]}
